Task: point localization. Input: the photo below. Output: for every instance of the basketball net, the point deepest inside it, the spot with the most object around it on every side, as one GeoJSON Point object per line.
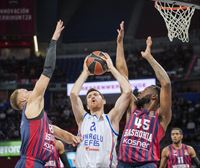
{"type": "Point", "coordinates": [177, 19]}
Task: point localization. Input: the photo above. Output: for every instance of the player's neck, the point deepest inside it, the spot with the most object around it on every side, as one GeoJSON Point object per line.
{"type": "Point", "coordinates": [152, 106]}
{"type": "Point", "coordinates": [177, 146]}
{"type": "Point", "coordinates": [97, 113]}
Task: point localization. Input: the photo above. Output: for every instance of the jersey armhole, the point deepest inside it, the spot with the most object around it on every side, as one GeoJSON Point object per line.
{"type": "Point", "coordinates": [35, 118]}
{"type": "Point", "coordinates": [161, 130]}
{"type": "Point", "coordinates": [157, 114]}
{"type": "Point", "coordinates": [84, 114]}
{"type": "Point", "coordinates": [115, 132]}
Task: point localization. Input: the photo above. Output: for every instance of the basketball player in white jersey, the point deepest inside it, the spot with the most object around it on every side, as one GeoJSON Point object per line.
{"type": "Point", "coordinates": [98, 130]}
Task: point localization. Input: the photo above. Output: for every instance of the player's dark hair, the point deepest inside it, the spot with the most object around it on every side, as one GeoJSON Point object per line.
{"type": "Point", "coordinates": [179, 129]}
{"type": "Point", "coordinates": [93, 89]}
{"type": "Point", "coordinates": [157, 89]}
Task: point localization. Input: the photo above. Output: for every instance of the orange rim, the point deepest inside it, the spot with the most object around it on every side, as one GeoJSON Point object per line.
{"type": "Point", "coordinates": [172, 8]}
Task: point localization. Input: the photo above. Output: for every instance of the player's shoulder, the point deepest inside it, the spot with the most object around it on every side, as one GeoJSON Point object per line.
{"type": "Point", "coordinates": [166, 150]}
{"type": "Point", "coordinates": [190, 148]}
{"type": "Point", "coordinates": [85, 115]}
{"type": "Point", "coordinates": [191, 151]}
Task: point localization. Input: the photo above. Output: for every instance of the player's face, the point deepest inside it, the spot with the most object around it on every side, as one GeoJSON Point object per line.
{"type": "Point", "coordinates": [143, 97]}
{"type": "Point", "coordinates": [94, 100]}
{"type": "Point", "coordinates": [176, 136]}
{"type": "Point", "coordinates": [23, 96]}
{"type": "Point", "coordinates": [146, 92]}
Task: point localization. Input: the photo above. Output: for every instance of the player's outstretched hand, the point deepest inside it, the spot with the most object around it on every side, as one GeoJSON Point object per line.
{"type": "Point", "coordinates": [85, 67]}
{"type": "Point", "coordinates": [147, 53]}
{"type": "Point", "coordinates": [58, 30]}
{"type": "Point", "coordinates": [76, 140]}
{"type": "Point", "coordinates": [120, 31]}
{"type": "Point", "coordinates": [108, 61]}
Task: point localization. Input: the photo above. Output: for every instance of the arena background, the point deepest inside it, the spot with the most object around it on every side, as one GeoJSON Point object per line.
{"type": "Point", "coordinates": [91, 25]}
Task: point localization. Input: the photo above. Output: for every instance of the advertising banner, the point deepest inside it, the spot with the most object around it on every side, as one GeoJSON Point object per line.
{"type": "Point", "coordinates": [112, 87]}
{"type": "Point", "coordinates": [10, 148]}
{"type": "Point", "coordinates": [17, 17]}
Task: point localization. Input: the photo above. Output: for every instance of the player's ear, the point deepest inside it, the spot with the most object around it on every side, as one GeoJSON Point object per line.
{"type": "Point", "coordinates": [154, 97]}
{"type": "Point", "coordinates": [88, 107]}
{"type": "Point", "coordinates": [104, 101]}
{"type": "Point", "coordinates": [181, 136]}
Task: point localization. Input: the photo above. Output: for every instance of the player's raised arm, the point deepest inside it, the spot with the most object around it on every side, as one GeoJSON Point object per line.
{"type": "Point", "coordinates": [122, 103]}
{"type": "Point", "coordinates": [120, 57]}
{"type": "Point", "coordinates": [165, 111]}
{"type": "Point", "coordinates": [121, 64]}
{"type": "Point", "coordinates": [65, 136]}
{"type": "Point", "coordinates": [77, 105]}
{"type": "Point", "coordinates": [49, 64]}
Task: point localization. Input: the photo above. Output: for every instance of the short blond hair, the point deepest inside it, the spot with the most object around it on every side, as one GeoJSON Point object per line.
{"type": "Point", "coordinates": [13, 100]}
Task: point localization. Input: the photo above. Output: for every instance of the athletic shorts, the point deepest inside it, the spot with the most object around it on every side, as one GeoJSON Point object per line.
{"type": "Point", "coordinates": [29, 162]}
{"type": "Point", "coordinates": [135, 165]}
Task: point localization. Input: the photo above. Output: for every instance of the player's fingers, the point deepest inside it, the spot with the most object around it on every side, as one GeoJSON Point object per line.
{"type": "Point", "coordinates": [76, 140]}
{"type": "Point", "coordinates": [106, 55]}
{"type": "Point", "coordinates": [62, 28]}
{"type": "Point", "coordinates": [122, 25]}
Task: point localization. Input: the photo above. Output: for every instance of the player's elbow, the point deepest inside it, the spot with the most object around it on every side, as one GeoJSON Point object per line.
{"type": "Point", "coordinates": [167, 116]}
{"type": "Point", "coordinates": [120, 66]}
{"type": "Point", "coordinates": [48, 71]}
{"type": "Point", "coordinates": [166, 84]}
{"type": "Point", "coordinates": [128, 90]}
{"type": "Point", "coordinates": [73, 95]}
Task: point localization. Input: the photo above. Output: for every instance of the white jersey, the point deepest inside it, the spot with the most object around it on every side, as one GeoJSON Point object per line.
{"type": "Point", "coordinates": [97, 150]}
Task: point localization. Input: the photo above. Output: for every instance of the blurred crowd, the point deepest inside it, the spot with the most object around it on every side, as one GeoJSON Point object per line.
{"type": "Point", "coordinates": [174, 60]}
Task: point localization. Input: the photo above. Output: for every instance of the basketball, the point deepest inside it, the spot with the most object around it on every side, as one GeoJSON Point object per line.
{"type": "Point", "coordinates": [96, 65]}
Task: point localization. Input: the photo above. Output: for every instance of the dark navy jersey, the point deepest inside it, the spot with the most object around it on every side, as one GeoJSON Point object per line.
{"type": "Point", "coordinates": [141, 138]}
{"type": "Point", "coordinates": [38, 142]}
{"type": "Point", "coordinates": [179, 158]}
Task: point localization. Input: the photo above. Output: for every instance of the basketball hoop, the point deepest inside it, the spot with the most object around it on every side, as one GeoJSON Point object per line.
{"type": "Point", "coordinates": [177, 19]}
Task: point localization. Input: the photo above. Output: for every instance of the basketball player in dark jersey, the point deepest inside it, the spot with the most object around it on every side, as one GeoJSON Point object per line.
{"type": "Point", "coordinates": [61, 152]}
{"type": "Point", "coordinates": [148, 114]}
{"type": "Point", "coordinates": [37, 135]}
{"type": "Point", "coordinates": [178, 155]}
